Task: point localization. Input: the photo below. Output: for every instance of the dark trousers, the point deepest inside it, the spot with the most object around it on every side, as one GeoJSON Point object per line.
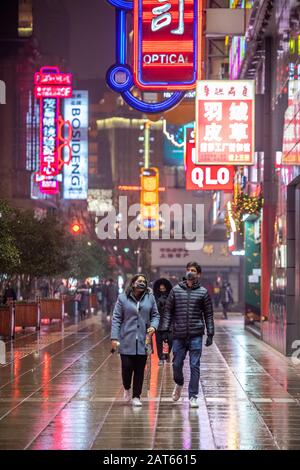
{"type": "Point", "coordinates": [109, 308]}
{"type": "Point", "coordinates": [159, 343]}
{"type": "Point", "coordinates": [225, 308]}
{"type": "Point", "coordinates": [133, 365]}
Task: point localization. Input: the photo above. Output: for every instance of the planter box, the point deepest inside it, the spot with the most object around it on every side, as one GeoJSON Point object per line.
{"type": "Point", "coordinates": [7, 322]}
{"type": "Point", "coordinates": [27, 315]}
{"type": "Point", "coordinates": [52, 309]}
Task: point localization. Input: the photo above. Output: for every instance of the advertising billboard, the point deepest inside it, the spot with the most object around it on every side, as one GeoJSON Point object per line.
{"type": "Point", "coordinates": [225, 122]}
{"type": "Point", "coordinates": [76, 111]}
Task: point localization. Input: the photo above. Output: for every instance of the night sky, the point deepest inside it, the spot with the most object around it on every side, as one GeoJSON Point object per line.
{"type": "Point", "coordinates": [85, 28]}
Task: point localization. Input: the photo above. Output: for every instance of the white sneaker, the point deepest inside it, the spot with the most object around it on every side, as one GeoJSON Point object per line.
{"type": "Point", "coordinates": [194, 402]}
{"type": "Point", "coordinates": [136, 402]}
{"type": "Point", "coordinates": [126, 395]}
{"type": "Point", "coordinates": [177, 392]}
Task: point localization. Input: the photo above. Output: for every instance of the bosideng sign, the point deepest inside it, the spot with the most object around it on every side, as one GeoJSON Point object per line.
{"type": "Point", "coordinates": [76, 174]}
{"type": "Point", "coordinates": [167, 43]}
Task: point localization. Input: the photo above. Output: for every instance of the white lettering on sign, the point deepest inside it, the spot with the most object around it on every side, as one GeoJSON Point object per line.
{"type": "Point", "coordinates": [164, 59]}
{"type": "Point", "coordinates": [202, 176]}
{"type": "Point", "coordinates": [162, 17]}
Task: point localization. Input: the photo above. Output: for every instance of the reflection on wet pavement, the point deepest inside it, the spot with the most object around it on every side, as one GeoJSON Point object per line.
{"type": "Point", "coordinates": [63, 390]}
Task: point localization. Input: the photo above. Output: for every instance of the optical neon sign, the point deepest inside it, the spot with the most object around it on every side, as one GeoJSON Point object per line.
{"type": "Point", "coordinates": [50, 87]}
{"type": "Point", "coordinates": [166, 44]}
{"type": "Point", "coordinates": [167, 50]}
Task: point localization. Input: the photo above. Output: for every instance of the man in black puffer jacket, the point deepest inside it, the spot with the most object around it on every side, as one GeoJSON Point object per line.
{"type": "Point", "coordinates": [189, 309]}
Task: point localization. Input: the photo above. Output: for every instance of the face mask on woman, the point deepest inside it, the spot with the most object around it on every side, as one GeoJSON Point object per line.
{"type": "Point", "coordinates": [140, 285]}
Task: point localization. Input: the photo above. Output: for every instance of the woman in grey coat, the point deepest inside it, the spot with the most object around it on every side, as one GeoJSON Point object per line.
{"type": "Point", "coordinates": [135, 315]}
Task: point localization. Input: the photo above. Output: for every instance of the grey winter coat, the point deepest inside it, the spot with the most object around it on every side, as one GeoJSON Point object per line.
{"type": "Point", "coordinates": [188, 311]}
{"type": "Point", "coordinates": [130, 322]}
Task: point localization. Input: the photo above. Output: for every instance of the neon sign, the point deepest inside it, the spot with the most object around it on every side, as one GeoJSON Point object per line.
{"type": "Point", "coordinates": [167, 50]}
{"type": "Point", "coordinates": [50, 87]}
{"type": "Point", "coordinates": [165, 44]}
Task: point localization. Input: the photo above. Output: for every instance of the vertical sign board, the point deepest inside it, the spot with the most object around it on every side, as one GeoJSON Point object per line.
{"type": "Point", "coordinates": [50, 86]}
{"type": "Point", "coordinates": [225, 122]}
{"type": "Point", "coordinates": [76, 111]}
{"type": "Point", "coordinates": [167, 44]}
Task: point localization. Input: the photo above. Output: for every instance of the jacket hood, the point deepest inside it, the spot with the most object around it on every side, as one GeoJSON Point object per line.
{"type": "Point", "coordinates": [184, 285]}
{"type": "Point", "coordinates": [163, 281]}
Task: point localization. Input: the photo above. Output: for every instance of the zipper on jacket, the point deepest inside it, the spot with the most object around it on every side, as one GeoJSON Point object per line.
{"type": "Point", "coordinates": [136, 335]}
{"type": "Point", "coordinates": [188, 315]}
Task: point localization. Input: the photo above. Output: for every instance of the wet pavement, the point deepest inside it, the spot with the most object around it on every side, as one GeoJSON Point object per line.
{"type": "Point", "coordinates": [62, 390]}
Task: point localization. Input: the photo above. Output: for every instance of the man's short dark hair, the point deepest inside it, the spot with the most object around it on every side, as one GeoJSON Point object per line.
{"type": "Point", "coordinates": [193, 264]}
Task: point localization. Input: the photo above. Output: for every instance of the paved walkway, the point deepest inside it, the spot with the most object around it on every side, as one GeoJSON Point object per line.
{"type": "Point", "coordinates": [62, 390]}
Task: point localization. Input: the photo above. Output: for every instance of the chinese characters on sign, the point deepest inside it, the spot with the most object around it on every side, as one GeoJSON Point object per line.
{"type": "Point", "coordinates": [291, 136]}
{"type": "Point", "coordinates": [209, 177]}
{"type": "Point", "coordinates": [167, 47]}
{"type": "Point", "coordinates": [48, 142]}
{"type": "Point", "coordinates": [225, 122]}
{"type": "Point", "coordinates": [50, 87]}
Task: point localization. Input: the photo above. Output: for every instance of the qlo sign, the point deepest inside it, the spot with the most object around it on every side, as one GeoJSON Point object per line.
{"type": "Point", "coordinates": [225, 122]}
{"type": "Point", "coordinates": [206, 178]}
{"type": "Point", "coordinates": [167, 43]}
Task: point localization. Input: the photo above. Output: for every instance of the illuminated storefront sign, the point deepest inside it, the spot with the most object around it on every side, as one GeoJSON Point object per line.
{"type": "Point", "coordinates": [50, 83]}
{"type": "Point", "coordinates": [166, 34]}
{"type": "Point", "coordinates": [149, 199]}
{"type": "Point", "coordinates": [50, 87]}
{"type": "Point", "coordinates": [225, 122]}
{"type": "Point", "coordinates": [208, 177]}
{"type": "Point", "coordinates": [76, 173]}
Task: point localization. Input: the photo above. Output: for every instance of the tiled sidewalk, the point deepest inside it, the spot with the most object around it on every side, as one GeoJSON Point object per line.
{"type": "Point", "coordinates": [62, 390]}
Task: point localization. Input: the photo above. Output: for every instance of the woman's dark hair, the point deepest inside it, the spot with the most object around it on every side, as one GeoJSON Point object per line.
{"type": "Point", "coordinates": [132, 281]}
{"type": "Point", "coordinates": [193, 264]}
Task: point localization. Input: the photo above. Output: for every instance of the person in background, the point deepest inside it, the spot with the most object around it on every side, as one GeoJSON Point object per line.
{"type": "Point", "coordinates": [189, 310]}
{"type": "Point", "coordinates": [135, 318]}
{"type": "Point", "coordinates": [9, 294]}
{"type": "Point", "coordinates": [226, 298]}
{"type": "Point", "coordinates": [82, 297]}
{"type": "Point", "coordinates": [161, 288]}
{"type": "Point", "coordinates": [112, 293]}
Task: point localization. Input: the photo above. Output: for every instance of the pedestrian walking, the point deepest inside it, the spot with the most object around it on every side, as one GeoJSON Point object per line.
{"type": "Point", "coordinates": [189, 310]}
{"type": "Point", "coordinates": [111, 294]}
{"type": "Point", "coordinates": [135, 320]}
{"type": "Point", "coordinates": [226, 298]}
{"type": "Point", "coordinates": [82, 297]}
{"type": "Point", "coordinates": [161, 289]}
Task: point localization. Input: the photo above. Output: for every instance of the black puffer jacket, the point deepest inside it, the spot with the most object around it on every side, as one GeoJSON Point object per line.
{"type": "Point", "coordinates": [189, 310]}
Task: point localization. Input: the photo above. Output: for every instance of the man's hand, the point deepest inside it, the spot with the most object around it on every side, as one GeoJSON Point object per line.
{"type": "Point", "coordinates": [114, 345]}
{"type": "Point", "coordinates": [209, 340]}
{"type": "Point", "coordinates": [151, 331]}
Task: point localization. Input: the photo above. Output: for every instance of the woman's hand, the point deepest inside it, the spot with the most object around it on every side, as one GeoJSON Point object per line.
{"type": "Point", "coordinates": [151, 331]}
{"type": "Point", "coordinates": [114, 345]}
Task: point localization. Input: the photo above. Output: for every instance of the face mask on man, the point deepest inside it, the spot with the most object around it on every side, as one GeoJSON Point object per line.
{"type": "Point", "coordinates": [190, 276]}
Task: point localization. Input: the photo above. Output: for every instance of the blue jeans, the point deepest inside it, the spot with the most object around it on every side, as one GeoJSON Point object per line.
{"type": "Point", "coordinates": [180, 348]}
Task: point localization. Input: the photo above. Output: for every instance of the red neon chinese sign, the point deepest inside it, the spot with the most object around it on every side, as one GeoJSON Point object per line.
{"type": "Point", "coordinates": [167, 44]}
{"type": "Point", "coordinates": [50, 83]}
{"type": "Point", "coordinates": [50, 86]}
{"type": "Point", "coordinates": [225, 122]}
